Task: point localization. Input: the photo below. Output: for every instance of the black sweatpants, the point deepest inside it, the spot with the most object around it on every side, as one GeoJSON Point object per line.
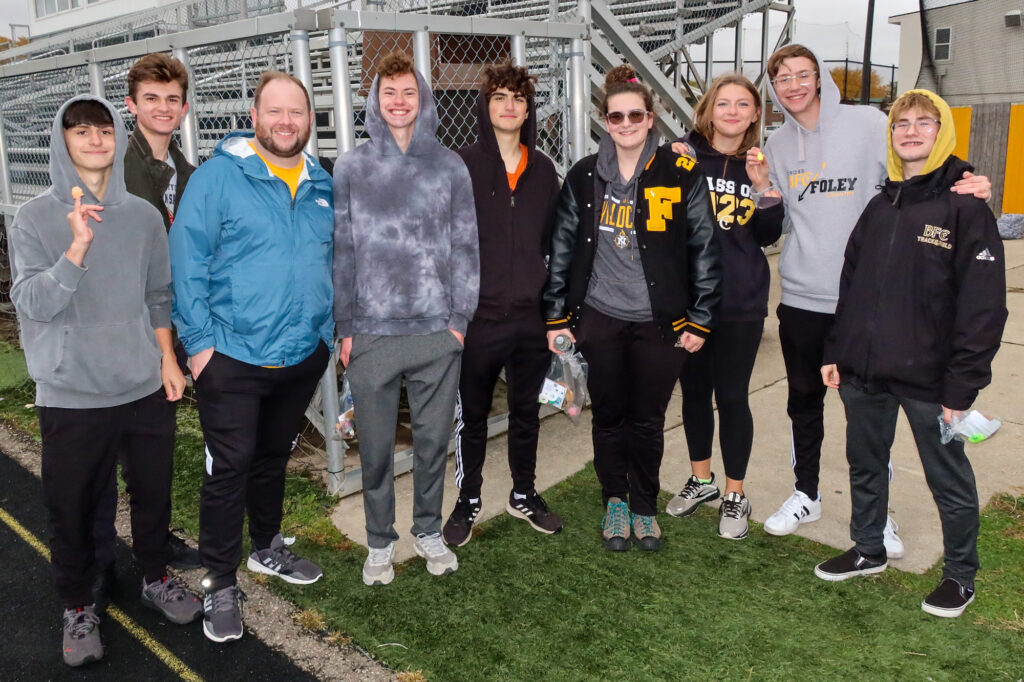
{"type": "Point", "coordinates": [632, 373]}
{"type": "Point", "coordinates": [722, 367]}
{"type": "Point", "coordinates": [520, 347]}
{"type": "Point", "coordinates": [803, 334]}
{"type": "Point", "coordinates": [250, 417]}
{"type": "Point", "coordinates": [870, 430]}
{"type": "Point", "coordinates": [80, 451]}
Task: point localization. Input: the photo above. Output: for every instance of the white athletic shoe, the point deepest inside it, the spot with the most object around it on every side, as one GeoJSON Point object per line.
{"type": "Point", "coordinates": [440, 559]}
{"type": "Point", "coordinates": [796, 510]}
{"type": "Point", "coordinates": [893, 545]}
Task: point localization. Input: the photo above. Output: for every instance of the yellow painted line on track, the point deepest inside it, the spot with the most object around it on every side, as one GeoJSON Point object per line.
{"type": "Point", "coordinates": [133, 628]}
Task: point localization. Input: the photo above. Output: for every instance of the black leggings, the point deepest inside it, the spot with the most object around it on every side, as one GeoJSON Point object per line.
{"type": "Point", "coordinates": [722, 366]}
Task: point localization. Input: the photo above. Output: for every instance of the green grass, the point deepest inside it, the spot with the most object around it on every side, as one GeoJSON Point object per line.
{"type": "Point", "coordinates": [526, 606]}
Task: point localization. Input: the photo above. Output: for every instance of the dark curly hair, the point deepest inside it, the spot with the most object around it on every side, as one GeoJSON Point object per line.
{"type": "Point", "coordinates": [622, 79]}
{"type": "Point", "coordinates": [516, 79]}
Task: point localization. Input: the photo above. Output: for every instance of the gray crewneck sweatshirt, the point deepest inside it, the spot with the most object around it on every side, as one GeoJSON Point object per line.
{"type": "Point", "coordinates": [826, 176]}
{"type": "Point", "coordinates": [618, 287]}
{"type": "Point", "coordinates": [406, 252]}
{"type": "Point", "coordinates": [88, 331]}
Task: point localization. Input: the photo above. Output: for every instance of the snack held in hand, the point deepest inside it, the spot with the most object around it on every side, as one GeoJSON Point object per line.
{"type": "Point", "coordinates": [76, 192]}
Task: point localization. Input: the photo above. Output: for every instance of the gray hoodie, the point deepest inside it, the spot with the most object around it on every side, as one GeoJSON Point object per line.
{"type": "Point", "coordinates": [88, 331]}
{"type": "Point", "coordinates": [826, 176]}
{"type": "Point", "coordinates": [406, 254]}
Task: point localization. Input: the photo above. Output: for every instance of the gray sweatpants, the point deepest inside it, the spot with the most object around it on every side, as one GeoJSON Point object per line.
{"type": "Point", "coordinates": [429, 364]}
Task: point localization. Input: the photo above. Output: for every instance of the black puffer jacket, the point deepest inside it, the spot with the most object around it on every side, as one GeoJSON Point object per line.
{"type": "Point", "coordinates": [743, 230]}
{"type": "Point", "coordinates": [922, 299]}
{"type": "Point", "coordinates": [514, 227]}
{"type": "Point", "coordinates": [675, 232]}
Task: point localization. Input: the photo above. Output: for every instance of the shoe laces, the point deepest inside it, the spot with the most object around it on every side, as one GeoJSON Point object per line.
{"type": "Point", "coordinates": [692, 488]}
{"type": "Point", "coordinates": [168, 589]}
{"type": "Point", "coordinates": [380, 556]}
{"type": "Point", "coordinates": [795, 504]}
{"type": "Point", "coordinates": [732, 507]}
{"type": "Point", "coordinates": [645, 524]}
{"type": "Point", "coordinates": [80, 622]}
{"type": "Point", "coordinates": [617, 518]}
{"type": "Point", "coordinates": [432, 544]}
{"type": "Point", "coordinates": [537, 502]}
{"type": "Point", "coordinates": [226, 599]}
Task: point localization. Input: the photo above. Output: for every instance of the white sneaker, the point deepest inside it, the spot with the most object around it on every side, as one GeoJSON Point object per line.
{"type": "Point", "coordinates": [893, 545]}
{"type": "Point", "coordinates": [440, 559]}
{"type": "Point", "coordinates": [378, 568]}
{"type": "Point", "coordinates": [796, 510]}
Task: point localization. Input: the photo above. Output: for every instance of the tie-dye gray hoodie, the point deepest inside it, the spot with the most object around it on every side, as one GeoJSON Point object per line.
{"type": "Point", "coordinates": [406, 255]}
{"type": "Point", "coordinates": [88, 331]}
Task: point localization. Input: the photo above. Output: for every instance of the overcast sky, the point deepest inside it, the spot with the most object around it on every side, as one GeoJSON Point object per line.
{"type": "Point", "coordinates": [831, 13]}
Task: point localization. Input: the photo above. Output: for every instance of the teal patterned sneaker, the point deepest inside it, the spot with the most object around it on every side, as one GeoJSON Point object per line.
{"type": "Point", "coordinates": [615, 526]}
{"type": "Point", "coordinates": [646, 533]}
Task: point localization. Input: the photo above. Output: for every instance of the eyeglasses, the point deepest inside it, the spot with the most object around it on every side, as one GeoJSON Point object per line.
{"type": "Point", "coordinates": [617, 117]}
{"type": "Point", "coordinates": [801, 78]}
{"type": "Point", "coordinates": [922, 125]}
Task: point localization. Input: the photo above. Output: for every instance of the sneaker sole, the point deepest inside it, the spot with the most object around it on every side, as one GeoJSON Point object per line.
{"type": "Point", "coordinates": [385, 579]}
{"type": "Point", "coordinates": [734, 537]}
{"type": "Point", "coordinates": [616, 544]}
{"type": "Point", "coordinates": [704, 500]}
{"type": "Point", "coordinates": [810, 518]}
{"type": "Point", "coordinates": [469, 536]}
{"type": "Point", "coordinates": [839, 577]}
{"type": "Point", "coordinates": [648, 544]}
{"type": "Point", "coordinates": [520, 515]}
{"type": "Point", "coordinates": [257, 567]}
{"type": "Point", "coordinates": [432, 566]}
{"type": "Point", "coordinates": [945, 613]}
{"type": "Point", "coordinates": [149, 603]}
{"type": "Point", "coordinates": [214, 638]}
{"type": "Point", "coordinates": [84, 661]}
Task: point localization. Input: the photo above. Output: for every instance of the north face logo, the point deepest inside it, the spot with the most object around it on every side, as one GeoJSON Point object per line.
{"type": "Point", "coordinates": [322, 202]}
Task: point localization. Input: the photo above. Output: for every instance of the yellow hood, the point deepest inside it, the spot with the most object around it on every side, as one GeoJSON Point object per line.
{"type": "Point", "coordinates": [945, 141]}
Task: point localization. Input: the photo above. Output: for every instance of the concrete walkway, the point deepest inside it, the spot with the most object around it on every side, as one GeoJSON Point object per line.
{"type": "Point", "coordinates": [565, 448]}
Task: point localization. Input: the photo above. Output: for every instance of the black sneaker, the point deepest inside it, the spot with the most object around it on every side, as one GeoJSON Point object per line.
{"type": "Point", "coordinates": [849, 564]}
{"type": "Point", "coordinates": [458, 529]}
{"type": "Point", "coordinates": [535, 510]}
{"type": "Point", "coordinates": [280, 561]}
{"type": "Point", "coordinates": [103, 587]}
{"type": "Point", "coordinates": [222, 614]}
{"type": "Point", "coordinates": [948, 600]}
{"type": "Point", "coordinates": [183, 557]}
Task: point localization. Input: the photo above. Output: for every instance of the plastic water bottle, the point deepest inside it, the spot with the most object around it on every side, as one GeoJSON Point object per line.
{"type": "Point", "coordinates": [563, 342]}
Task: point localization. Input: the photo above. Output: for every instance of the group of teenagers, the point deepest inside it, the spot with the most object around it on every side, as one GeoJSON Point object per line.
{"type": "Point", "coordinates": [437, 270]}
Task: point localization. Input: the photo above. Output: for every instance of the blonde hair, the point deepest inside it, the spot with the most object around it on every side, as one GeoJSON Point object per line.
{"type": "Point", "coordinates": [914, 100]}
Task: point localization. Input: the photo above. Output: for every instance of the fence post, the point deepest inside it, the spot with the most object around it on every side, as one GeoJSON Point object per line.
{"type": "Point", "coordinates": [580, 95]}
{"type": "Point", "coordinates": [519, 50]}
{"type": "Point", "coordinates": [421, 55]}
{"type": "Point", "coordinates": [337, 45]}
{"type": "Point", "coordinates": [6, 191]}
{"type": "Point", "coordinates": [299, 39]}
{"type": "Point", "coordinates": [96, 79]}
{"type": "Point", "coordinates": [189, 127]}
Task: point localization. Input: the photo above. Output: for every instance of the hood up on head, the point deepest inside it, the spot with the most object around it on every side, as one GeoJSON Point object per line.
{"type": "Point", "coordinates": [63, 175]}
{"type": "Point", "coordinates": [945, 140]}
{"type": "Point", "coordinates": [828, 93]}
{"type": "Point", "coordinates": [424, 134]}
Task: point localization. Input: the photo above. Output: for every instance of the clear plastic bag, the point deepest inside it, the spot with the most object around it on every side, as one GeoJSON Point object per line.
{"type": "Point", "coordinates": [970, 427]}
{"type": "Point", "coordinates": [346, 424]}
{"type": "Point", "coordinates": [565, 385]}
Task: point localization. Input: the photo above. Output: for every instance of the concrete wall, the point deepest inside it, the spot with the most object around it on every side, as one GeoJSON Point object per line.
{"type": "Point", "coordinates": [88, 13]}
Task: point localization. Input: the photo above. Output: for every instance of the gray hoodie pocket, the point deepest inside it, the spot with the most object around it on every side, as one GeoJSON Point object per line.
{"type": "Point", "coordinates": [107, 359]}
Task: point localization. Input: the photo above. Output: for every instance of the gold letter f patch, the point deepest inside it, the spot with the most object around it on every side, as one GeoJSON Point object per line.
{"type": "Point", "coordinates": [659, 206]}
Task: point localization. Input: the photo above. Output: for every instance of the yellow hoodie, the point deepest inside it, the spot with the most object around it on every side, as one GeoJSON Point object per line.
{"type": "Point", "coordinates": [945, 140]}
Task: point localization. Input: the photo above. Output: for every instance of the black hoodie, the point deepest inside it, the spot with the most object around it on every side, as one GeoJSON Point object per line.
{"type": "Point", "coordinates": [743, 230]}
{"type": "Point", "coordinates": [514, 227]}
{"type": "Point", "coordinates": [922, 298]}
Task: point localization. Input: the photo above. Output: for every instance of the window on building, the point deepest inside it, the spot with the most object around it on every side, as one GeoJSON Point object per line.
{"type": "Point", "coordinates": [47, 7]}
{"type": "Point", "coordinates": [943, 40]}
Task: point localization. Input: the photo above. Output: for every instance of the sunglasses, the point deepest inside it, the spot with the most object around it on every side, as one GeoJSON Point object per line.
{"type": "Point", "coordinates": [617, 117]}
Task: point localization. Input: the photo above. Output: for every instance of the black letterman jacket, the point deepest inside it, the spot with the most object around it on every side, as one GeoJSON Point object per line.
{"type": "Point", "coordinates": [675, 231]}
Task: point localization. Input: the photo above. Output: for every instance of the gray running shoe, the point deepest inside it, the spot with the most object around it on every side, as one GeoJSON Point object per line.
{"type": "Point", "coordinates": [615, 526]}
{"type": "Point", "coordinates": [82, 636]}
{"type": "Point", "coordinates": [440, 559]}
{"type": "Point", "coordinates": [378, 568]}
{"type": "Point", "coordinates": [172, 600]}
{"type": "Point", "coordinates": [222, 614]}
{"type": "Point", "coordinates": [733, 517]}
{"type": "Point", "coordinates": [693, 495]}
{"type": "Point", "coordinates": [280, 561]}
{"type": "Point", "coordinates": [646, 533]}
